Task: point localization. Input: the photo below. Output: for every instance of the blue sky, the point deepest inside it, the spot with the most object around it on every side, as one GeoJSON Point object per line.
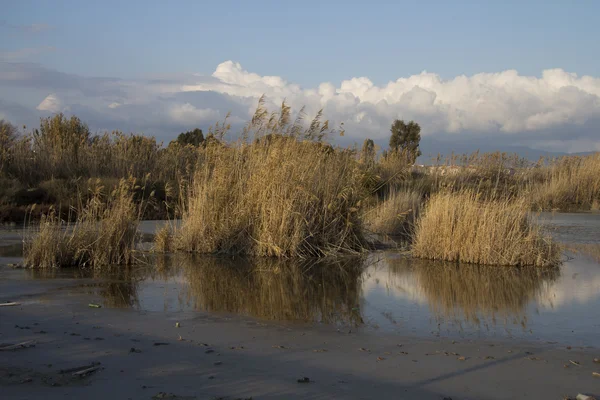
{"type": "Point", "coordinates": [305, 43]}
{"type": "Point", "coordinates": [311, 41]}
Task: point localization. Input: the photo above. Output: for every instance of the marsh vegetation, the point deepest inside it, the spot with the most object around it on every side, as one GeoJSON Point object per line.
{"type": "Point", "coordinates": [279, 190]}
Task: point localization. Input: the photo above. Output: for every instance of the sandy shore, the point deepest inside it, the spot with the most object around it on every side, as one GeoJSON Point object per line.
{"type": "Point", "coordinates": [140, 355]}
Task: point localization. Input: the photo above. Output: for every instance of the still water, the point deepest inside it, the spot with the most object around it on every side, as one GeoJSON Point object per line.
{"type": "Point", "coordinates": [384, 292]}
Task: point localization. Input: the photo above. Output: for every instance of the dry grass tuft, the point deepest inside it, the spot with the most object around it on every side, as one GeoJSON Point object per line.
{"type": "Point", "coordinates": [103, 234]}
{"type": "Point", "coordinates": [163, 239]}
{"type": "Point", "coordinates": [569, 183]}
{"type": "Point", "coordinates": [463, 228]}
{"type": "Point", "coordinates": [285, 195]}
{"type": "Point", "coordinates": [396, 214]}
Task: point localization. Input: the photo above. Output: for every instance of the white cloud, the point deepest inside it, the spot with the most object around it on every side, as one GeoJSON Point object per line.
{"type": "Point", "coordinates": [485, 103]}
{"type": "Point", "coordinates": [557, 110]}
{"type": "Point", "coordinates": [51, 103]}
{"type": "Point", "coordinates": [190, 115]}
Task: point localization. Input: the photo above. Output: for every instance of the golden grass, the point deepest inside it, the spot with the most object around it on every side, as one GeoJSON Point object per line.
{"type": "Point", "coordinates": [103, 234]}
{"type": "Point", "coordinates": [463, 228]}
{"type": "Point", "coordinates": [283, 198]}
{"type": "Point", "coordinates": [163, 239]}
{"type": "Point", "coordinates": [569, 183]}
{"type": "Point", "coordinates": [396, 214]}
{"type": "Point", "coordinates": [282, 191]}
{"type": "Point", "coordinates": [284, 194]}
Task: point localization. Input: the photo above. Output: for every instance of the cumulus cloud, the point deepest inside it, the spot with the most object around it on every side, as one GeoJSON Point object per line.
{"type": "Point", "coordinates": [188, 114]}
{"type": "Point", "coordinates": [482, 104]}
{"type": "Point", "coordinates": [51, 104]}
{"type": "Point", "coordinates": [556, 110]}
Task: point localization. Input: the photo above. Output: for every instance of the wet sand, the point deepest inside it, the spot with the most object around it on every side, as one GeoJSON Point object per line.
{"type": "Point", "coordinates": [212, 357]}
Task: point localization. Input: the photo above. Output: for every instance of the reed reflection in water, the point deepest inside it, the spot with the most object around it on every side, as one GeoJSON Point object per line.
{"type": "Point", "coordinates": [465, 292]}
{"type": "Point", "coordinates": [342, 291]}
{"type": "Point", "coordinates": [297, 290]}
{"type": "Point", "coordinates": [118, 287]}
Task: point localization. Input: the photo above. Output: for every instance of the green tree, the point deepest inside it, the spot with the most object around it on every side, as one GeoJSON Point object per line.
{"type": "Point", "coordinates": [195, 138]}
{"type": "Point", "coordinates": [405, 138]}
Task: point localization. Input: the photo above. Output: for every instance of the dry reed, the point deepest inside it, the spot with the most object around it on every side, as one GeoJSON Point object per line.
{"type": "Point", "coordinates": [462, 227]}
{"type": "Point", "coordinates": [285, 194]}
{"type": "Point", "coordinates": [569, 183]}
{"type": "Point", "coordinates": [396, 214]}
{"type": "Point", "coordinates": [104, 233]}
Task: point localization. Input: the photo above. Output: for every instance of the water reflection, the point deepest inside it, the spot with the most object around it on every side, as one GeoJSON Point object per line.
{"type": "Point", "coordinates": [266, 288]}
{"type": "Point", "coordinates": [276, 290]}
{"type": "Point", "coordinates": [384, 290]}
{"type": "Point", "coordinates": [346, 291]}
{"type": "Point", "coordinates": [118, 287]}
{"type": "Point", "coordinates": [470, 293]}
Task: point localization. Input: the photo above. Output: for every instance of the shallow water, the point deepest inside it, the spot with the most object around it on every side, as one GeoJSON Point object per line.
{"type": "Point", "coordinates": [384, 292]}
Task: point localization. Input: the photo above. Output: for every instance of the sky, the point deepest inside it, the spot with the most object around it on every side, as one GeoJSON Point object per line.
{"type": "Point", "coordinates": [474, 73]}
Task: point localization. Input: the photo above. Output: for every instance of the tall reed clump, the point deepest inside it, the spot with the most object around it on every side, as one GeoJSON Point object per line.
{"type": "Point", "coordinates": [104, 233]}
{"type": "Point", "coordinates": [463, 228]}
{"type": "Point", "coordinates": [569, 183]}
{"type": "Point", "coordinates": [8, 137]}
{"type": "Point", "coordinates": [284, 194]}
{"type": "Point", "coordinates": [396, 214]}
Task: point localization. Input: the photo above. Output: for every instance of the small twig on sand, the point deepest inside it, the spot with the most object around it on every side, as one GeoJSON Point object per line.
{"type": "Point", "coordinates": [80, 368]}
{"type": "Point", "coordinates": [86, 371]}
{"type": "Point", "coordinates": [22, 345]}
